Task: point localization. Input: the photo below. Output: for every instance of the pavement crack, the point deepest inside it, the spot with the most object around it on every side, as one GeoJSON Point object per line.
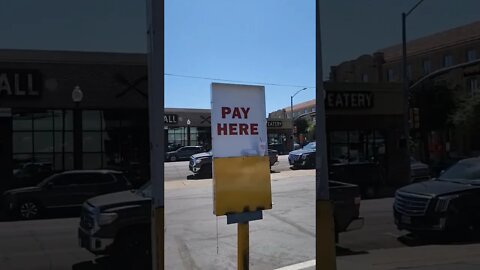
{"type": "Point", "coordinates": [293, 224]}
{"type": "Point", "coordinates": [185, 254]}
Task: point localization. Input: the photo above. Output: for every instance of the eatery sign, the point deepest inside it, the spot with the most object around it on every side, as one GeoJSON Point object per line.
{"type": "Point", "coordinates": [349, 100]}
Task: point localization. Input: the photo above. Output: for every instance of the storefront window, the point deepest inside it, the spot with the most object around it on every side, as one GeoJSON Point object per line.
{"type": "Point", "coordinates": [22, 121]}
{"type": "Point", "coordinates": [122, 141]}
{"type": "Point", "coordinates": [43, 142]}
{"type": "Point", "coordinates": [42, 139]}
{"type": "Point", "coordinates": [177, 135]}
{"type": "Point", "coordinates": [43, 121]}
{"type": "Point", "coordinates": [356, 146]}
{"type": "Point", "coordinates": [92, 161]}
{"type": "Point", "coordinates": [92, 120]}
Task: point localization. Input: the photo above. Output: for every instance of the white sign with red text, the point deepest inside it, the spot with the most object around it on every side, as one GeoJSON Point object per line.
{"type": "Point", "coordinates": [239, 125]}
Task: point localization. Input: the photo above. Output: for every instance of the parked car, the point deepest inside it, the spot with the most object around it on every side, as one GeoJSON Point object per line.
{"type": "Point", "coordinates": [183, 153]}
{"type": "Point", "coordinates": [119, 223]}
{"type": "Point", "coordinates": [449, 203]}
{"type": "Point", "coordinates": [201, 164]}
{"type": "Point", "coordinates": [304, 157]}
{"type": "Point", "coordinates": [419, 171]}
{"type": "Point", "coordinates": [370, 175]}
{"type": "Point", "coordinates": [66, 189]}
{"type": "Point", "coordinates": [31, 173]}
{"type": "Point", "coordinates": [173, 147]}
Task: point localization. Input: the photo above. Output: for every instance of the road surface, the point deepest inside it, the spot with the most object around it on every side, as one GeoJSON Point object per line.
{"type": "Point", "coordinates": [283, 238]}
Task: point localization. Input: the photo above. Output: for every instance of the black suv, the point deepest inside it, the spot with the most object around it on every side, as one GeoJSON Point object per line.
{"type": "Point", "coordinates": [303, 158]}
{"type": "Point", "coordinates": [66, 189]}
{"type": "Point", "coordinates": [449, 203]}
{"type": "Point", "coordinates": [183, 153]}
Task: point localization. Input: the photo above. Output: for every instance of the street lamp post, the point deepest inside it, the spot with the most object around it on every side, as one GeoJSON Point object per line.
{"type": "Point", "coordinates": [188, 132]}
{"type": "Point", "coordinates": [406, 95]}
{"type": "Point", "coordinates": [77, 97]}
{"type": "Point", "coordinates": [291, 114]}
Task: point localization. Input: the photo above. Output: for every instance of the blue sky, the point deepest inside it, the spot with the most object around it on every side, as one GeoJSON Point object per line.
{"type": "Point", "coordinates": [265, 41]}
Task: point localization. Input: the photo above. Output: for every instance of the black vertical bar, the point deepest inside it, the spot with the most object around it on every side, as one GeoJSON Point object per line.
{"type": "Point", "coordinates": [77, 138]}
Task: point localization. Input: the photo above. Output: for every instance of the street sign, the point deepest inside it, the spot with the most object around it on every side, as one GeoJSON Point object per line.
{"type": "Point", "coordinates": [241, 167]}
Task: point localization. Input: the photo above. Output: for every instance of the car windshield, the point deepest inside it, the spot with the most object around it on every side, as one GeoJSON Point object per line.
{"type": "Point", "coordinates": [46, 180]}
{"type": "Point", "coordinates": [310, 146]}
{"type": "Point", "coordinates": [464, 172]}
{"type": "Point", "coordinates": [145, 190]}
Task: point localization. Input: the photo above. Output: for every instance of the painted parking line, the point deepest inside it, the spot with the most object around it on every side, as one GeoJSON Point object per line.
{"type": "Point", "coordinates": [298, 266]}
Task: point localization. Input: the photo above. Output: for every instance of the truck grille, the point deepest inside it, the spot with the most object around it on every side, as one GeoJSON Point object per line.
{"type": "Point", "coordinates": [411, 204]}
{"type": "Point", "coordinates": [294, 157]}
{"type": "Point", "coordinates": [86, 219]}
{"type": "Point", "coordinates": [421, 173]}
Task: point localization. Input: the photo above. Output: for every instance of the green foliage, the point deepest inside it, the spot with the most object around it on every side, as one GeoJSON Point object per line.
{"type": "Point", "coordinates": [467, 115]}
{"type": "Point", "coordinates": [311, 131]}
{"type": "Point", "coordinates": [302, 125]}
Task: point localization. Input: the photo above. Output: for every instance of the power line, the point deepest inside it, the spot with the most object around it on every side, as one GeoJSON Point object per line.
{"type": "Point", "coordinates": [236, 81]}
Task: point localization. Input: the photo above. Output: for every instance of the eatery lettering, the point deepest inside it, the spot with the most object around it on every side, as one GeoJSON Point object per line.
{"type": "Point", "coordinates": [229, 129]}
{"type": "Point", "coordinates": [349, 100]}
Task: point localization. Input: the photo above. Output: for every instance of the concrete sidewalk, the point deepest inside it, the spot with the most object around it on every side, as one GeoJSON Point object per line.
{"type": "Point", "coordinates": [431, 257]}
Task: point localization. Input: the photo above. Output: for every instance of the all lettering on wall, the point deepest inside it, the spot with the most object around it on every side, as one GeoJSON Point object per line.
{"type": "Point", "coordinates": [20, 84]}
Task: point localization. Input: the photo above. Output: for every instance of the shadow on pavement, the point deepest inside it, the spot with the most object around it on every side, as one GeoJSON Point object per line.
{"type": "Point", "coordinates": [198, 177]}
{"type": "Point", "coordinates": [413, 240]}
{"type": "Point", "coordinates": [52, 214]}
{"type": "Point", "coordinates": [341, 251]}
{"type": "Point", "coordinates": [109, 263]}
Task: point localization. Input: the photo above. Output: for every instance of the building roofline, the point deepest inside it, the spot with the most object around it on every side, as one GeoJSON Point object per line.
{"type": "Point", "coordinates": [72, 57]}
{"type": "Point", "coordinates": [436, 41]}
{"type": "Point", "coordinates": [187, 110]}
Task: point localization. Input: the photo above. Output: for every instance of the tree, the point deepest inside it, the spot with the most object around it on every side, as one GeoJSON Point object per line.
{"type": "Point", "coordinates": [311, 131]}
{"type": "Point", "coordinates": [467, 116]}
{"type": "Point", "coordinates": [302, 125]}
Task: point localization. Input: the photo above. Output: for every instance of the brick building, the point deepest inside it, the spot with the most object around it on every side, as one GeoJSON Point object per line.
{"type": "Point", "coordinates": [446, 60]}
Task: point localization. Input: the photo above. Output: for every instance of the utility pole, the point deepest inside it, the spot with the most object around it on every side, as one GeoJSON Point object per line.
{"type": "Point", "coordinates": [406, 94]}
{"type": "Point", "coordinates": [325, 230]}
{"type": "Point", "coordinates": [155, 31]}
{"type": "Point", "coordinates": [291, 114]}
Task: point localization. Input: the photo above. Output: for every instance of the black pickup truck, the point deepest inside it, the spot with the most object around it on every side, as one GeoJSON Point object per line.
{"type": "Point", "coordinates": [119, 223]}
{"type": "Point", "coordinates": [447, 204]}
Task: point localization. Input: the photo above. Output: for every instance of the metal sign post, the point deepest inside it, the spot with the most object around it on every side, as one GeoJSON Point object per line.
{"type": "Point", "coordinates": [241, 166]}
{"type": "Point", "coordinates": [325, 230]}
{"type": "Point", "coordinates": [155, 24]}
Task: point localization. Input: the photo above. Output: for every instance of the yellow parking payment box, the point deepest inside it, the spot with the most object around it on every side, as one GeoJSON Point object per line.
{"type": "Point", "coordinates": [241, 167]}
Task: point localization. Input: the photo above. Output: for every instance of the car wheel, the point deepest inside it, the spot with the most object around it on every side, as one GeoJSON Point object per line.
{"type": "Point", "coordinates": [29, 210]}
{"type": "Point", "coordinates": [173, 158]}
